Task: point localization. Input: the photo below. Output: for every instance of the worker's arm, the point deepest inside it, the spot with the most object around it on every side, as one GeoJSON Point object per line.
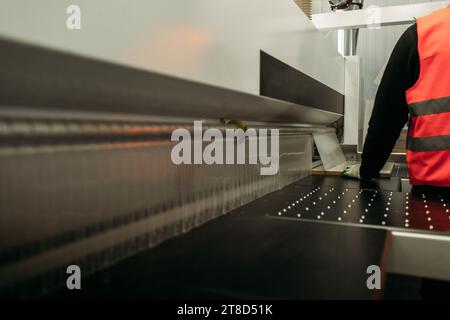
{"type": "Point", "coordinates": [390, 112]}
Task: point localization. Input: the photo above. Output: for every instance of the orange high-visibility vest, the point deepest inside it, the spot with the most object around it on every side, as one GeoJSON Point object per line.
{"type": "Point", "coordinates": [428, 144]}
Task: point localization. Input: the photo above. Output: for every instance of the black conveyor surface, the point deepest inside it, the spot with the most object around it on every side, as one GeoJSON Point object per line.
{"type": "Point", "coordinates": [248, 254]}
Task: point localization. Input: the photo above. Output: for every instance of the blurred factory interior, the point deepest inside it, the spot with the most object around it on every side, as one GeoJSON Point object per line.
{"type": "Point", "coordinates": [91, 93]}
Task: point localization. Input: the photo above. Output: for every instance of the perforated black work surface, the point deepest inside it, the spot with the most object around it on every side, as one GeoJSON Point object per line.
{"type": "Point", "coordinates": [367, 207]}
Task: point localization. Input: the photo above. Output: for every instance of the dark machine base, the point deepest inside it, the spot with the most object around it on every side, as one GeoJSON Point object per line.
{"type": "Point", "coordinates": [263, 250]}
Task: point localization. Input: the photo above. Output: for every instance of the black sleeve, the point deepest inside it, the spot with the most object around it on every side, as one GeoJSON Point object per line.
{"type": "Point", "coordinates": [390, 111]}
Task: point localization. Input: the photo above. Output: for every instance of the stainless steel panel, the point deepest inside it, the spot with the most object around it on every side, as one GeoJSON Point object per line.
{"type": "Point", "coordinates": [93, 202]}
{"type": "Point", "coordinates": [420, 255]}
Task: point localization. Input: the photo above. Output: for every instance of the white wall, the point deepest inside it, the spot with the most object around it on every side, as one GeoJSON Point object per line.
{"type": "Point", "coordinates": [352, 99]}
{"type": "Point", "coordinates": [211, 41]}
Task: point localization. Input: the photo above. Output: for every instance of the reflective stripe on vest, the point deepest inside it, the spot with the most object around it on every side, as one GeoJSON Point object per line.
{"type": "Point", "coordinates": [428, 144]}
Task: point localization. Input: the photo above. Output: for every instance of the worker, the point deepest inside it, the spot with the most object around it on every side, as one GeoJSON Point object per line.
{"type": "Point", "coordinates": [415, 86]}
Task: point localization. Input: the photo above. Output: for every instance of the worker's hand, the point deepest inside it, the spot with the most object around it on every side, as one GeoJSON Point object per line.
{"type": "Point", "coordinates": [352, 172]}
